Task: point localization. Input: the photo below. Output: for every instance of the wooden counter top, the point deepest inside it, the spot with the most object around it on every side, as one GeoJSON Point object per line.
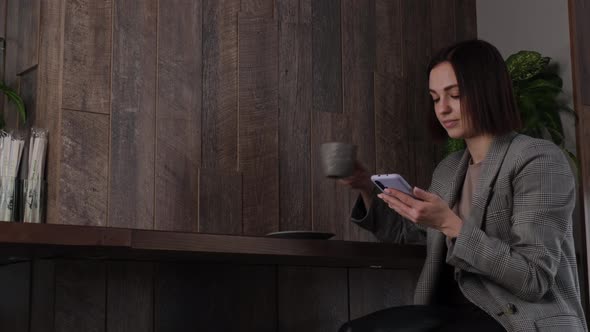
{"type": "Point", "coordinates": [27, 241]}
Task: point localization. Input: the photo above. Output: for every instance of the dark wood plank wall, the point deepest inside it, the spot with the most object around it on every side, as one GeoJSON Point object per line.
{"type": "Point", "coordinates": [63, 295]}
{"type": "Point", "coordinates": [133, 115]}
{"type": "Point", "coordinates": [14, 303]}
{"type": "Point", "coordinates": [130, 296]}
{"type": "Point", "coordinates": [391, 131]}
{"type": "Point", "coordinates": [3, 8]}
{"type": "Point", "coordinates": [28, 87]}
{"type": "Point", "coordinates": [312, 299]}
{"type": "Point", "coordinates": [358, 67]}
{"type": "Point", "coordinates": [220, 85]}
{"type": "Point", "coordinates": [42, 295]}
{"type": "Point", "coordinates": [258, 144]}
{"type": "Point", "coordinates": [84, 163]}
{"type": "Point", "coordinates": [215, 297]}
{"type": "Point", "coordinates": [10, 53]}
{"type": "Point", "coordinates": [375, 289]}
{"type": "Point", "coordinates": [84, 155]}
{"type": "Point", "coordinates": [208, 116]}
{"type": "Point", "coordinates": [295, 104]}
{"type": "Point", "coordinates": [87, 56]}
{"type": "Point", "coordinates": [220, 187]}
{"type": "Point", "coordinates": [49, 97]}
{"type": "Point", "coordinates": [80, 294]}
{"type": "Point", "coordinates": [172, 101]}
{"type": "Point", "coordinates": [580, 44]}
{"type": "Point", "coordinates": [178, 115]}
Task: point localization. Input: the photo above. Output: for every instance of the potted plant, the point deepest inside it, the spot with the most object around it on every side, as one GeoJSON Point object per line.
{"type": "Point", "coordinates": [538, 91]}
{"type": "Point", "coordinates": [16, 99]}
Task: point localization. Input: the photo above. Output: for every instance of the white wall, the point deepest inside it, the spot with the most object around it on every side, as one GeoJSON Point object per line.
{"type": "Point", "coordinates": [536, 25]}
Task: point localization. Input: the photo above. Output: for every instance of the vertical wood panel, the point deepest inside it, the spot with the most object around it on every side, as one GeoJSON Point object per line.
{"type": "Point", "coordinates": [3, 19]}
{"type": "Point", "coordinates": [87, 55]}
{"type": "Point", "coordinates": [130, 298]}
{"type": "Point", "coordinates": [11, 56]}
{"type": "Point", "coordinates": [331, 200]}
{"type": "Point", "coordinates": [312, 298]}
{"type": "Point", "coordinates": [465, 19]}
{"type": "Point", "coordinates": [85, 160]}
{"type": "Point", "coordinates": [391, 126]}
{"type": "Point", "coordinates": [28, 92]}
{"type": "Point", "coordinates": [330, 204]}
{"type": "Point", "coordinates": [391, 115]}
{"type": "Point", "coordinates": [288, 11]}
{"type": "Point", "coordinates": [327, 57]}
{"type": "Point", "coordinates": [358, 36]}
{"type": "Point", "coordinates": [581, 42]}
{"type": "Point", "coordinates": [177, 297]}
{"type": "Point", "coordinates": [14, 303]}
{"type": "Point", "coordinates": [258, 124]}
{"type": "Point", "coordinates": [178, 115]}
{"type": "Point", "coordinates": [305, 11]}
{"type": "Point", "coordinates": [80, 296]}
{"type": "Point", "coordinates": [417, 31]}
{"type": "Point", "coordinates": [442, 16]}
{"type": "Point", "coordinates": [28, 34]}
{"type": "Point", "coordinates": [293, 11]}
{"type": "Point", "coordinates": [580, 46]}
{"type": "Point", "coordinates": [43, 296]}
{"type": "Point", "coordinates": [220, 84]}
{"type": "Point", "coordinates": [376, 289]}
{"type": "Point", "coordinates": [220, 202]}
{"type": "Point", "coordinates": [203, 297]}
{"type": "Point", "coordinates": [49, 96]}
{"type": "Point", "coordinates": [131, 202]}
{"type": "Point", "coordinates": [389, 51]}
{"type": "Point", "coordinates": [358, 62]}
{"type": "Point", "coordinates": [295, 125]}
{"type": "Point", "coordinates": [263, 8]}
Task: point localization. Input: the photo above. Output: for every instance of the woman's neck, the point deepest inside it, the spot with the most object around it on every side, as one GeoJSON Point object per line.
{"type": "Point", "coordinates": [478, 147]}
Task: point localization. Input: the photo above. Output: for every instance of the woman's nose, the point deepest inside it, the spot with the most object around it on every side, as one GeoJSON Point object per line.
{"type": "Point", "coordinates": [443, 106]}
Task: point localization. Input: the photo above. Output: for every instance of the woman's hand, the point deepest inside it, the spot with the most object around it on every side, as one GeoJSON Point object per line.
{"type": "Point", "coordinates": [429, 210]}
{"type": "Point", "coordinates": [360, 180]}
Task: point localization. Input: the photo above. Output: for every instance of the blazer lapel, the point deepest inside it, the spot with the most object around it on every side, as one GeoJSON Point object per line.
{"type": "Point", "coordinates": [457, 180]}
{"type": "Point", "coordinates": [490, 168]}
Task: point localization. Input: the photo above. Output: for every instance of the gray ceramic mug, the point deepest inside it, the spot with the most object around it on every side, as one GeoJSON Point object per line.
{"type": "Point", "coordinates": [338, 159]}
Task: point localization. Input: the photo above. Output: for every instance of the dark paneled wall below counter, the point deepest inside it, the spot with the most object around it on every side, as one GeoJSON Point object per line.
{"type": "Point", "coordinates": [65, 295]}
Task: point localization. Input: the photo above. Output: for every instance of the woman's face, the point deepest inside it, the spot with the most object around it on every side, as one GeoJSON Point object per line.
{"type": "Point", "coordinates": [446, 97]}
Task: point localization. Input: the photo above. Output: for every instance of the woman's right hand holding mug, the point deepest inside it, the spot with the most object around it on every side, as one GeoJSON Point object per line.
{"type": "Point", "coordinates": [361, 181]}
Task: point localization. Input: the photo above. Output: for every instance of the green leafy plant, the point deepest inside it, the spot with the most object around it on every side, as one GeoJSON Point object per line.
{"type": "Point", "coordinates": [538, 90]}
{"type": "Point", "coordinates": [16, 99]}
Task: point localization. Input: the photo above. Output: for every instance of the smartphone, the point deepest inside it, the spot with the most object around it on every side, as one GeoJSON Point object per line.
{"type": "Point", "coordinates": [395, 181]}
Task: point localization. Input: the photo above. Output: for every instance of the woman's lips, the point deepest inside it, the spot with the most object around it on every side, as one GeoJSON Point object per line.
{"type": "Point", "coordinates": [450, 123]}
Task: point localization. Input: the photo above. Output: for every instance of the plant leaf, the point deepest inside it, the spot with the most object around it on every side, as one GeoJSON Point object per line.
{"type": "Point", "coordinates": [14, 97]}
{"type": "Point", "coordinates": [526, 64]}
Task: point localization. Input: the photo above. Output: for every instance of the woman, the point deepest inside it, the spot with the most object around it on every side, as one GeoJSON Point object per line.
{"type": "Point", "coordinates": [497, 219]}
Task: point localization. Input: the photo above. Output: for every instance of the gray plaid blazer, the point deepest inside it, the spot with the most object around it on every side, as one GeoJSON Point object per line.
{"type": "Point", "coordinates": [514, 257]}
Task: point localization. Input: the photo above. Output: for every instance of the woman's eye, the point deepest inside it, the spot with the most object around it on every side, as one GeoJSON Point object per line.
{"type": "Point", "coordinates": [456, 97]}
{"type": "Point", "coordinates": [435, 100]}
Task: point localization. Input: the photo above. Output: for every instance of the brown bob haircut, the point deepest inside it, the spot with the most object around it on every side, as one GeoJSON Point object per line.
{"type": "Point", "coordinates": [487, 100]}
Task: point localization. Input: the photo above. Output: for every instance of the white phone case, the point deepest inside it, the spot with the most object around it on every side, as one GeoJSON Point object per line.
{"type": "Point", "coordinates": [395, 181]}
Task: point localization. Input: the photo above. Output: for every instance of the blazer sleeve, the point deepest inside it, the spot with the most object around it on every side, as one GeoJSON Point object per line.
{"type": "Point", "coordinates": [386, 224]}
{"type": "Point", "coordinates": [543, 201]}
